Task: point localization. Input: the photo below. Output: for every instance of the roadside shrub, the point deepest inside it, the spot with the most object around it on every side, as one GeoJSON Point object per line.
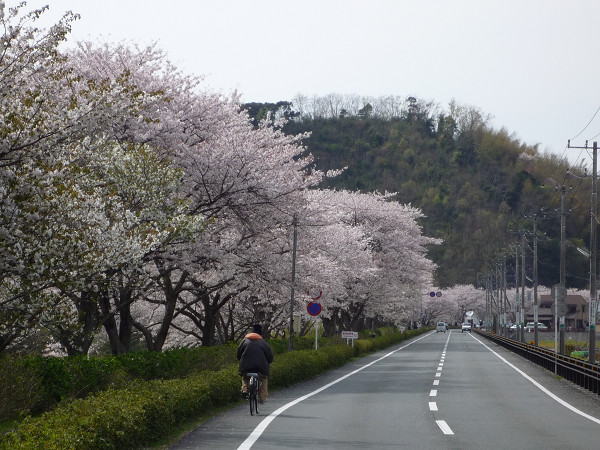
{"type": "Point", "coordinates": [570, 347]}
{"type": "Point", "coordinates": [126, 418]}
{"type": "Point", "coordinates": [32, 385]}
{"type": "Point", "coordinates": [292, 367]}
{"type": "Point", "coordinates": [279, 345]}
{"type": "Point", "coordinates": [20, 388]}
{"type": "Point", "coordinates": [142, 411]}
{"type": "Point", "coordinates": [365, 345]}
{"type": "Point", "coordinates": [176, 363]}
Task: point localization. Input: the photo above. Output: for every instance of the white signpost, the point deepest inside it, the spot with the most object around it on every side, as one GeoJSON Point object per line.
{"type": "Point", "coordinates": [350, 335]}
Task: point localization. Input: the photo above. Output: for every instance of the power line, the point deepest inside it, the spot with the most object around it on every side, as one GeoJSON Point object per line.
{"type": "Point", "coordinates": [593, 137]}
{"type": "Point", "coordinates": [588, 124]}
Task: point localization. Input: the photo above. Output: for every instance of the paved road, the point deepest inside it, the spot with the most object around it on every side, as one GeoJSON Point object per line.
{"type": "Point", "coordinates": [439, 391]}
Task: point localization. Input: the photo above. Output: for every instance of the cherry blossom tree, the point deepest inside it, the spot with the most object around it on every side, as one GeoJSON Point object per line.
{"type": "Point", "coordinates": [392, 240]}
{"type": "Point", "coordinates": [74, 203]}
{"type": "Point", "coordinates": [132, 199]}
{"type": "Point", "coordinates": [240, 179]}
{"type": "Point", "coordinates": [453, 304]}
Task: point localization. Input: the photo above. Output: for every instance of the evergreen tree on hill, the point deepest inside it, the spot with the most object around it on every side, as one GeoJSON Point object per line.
{"type": "Point", "coordinates": [475, 184]}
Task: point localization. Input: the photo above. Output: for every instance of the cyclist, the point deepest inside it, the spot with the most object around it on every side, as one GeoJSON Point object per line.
{"type": "Point", "coordinates": [255, 355]}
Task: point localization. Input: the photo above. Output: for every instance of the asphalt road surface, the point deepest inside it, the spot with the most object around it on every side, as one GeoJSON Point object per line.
{"type": "Point", "coordinates": [448, 390]}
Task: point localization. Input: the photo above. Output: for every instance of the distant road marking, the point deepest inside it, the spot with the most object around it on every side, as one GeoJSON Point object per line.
{"type": "Point", "coordinates": [444, 427]}
{"type": "Point", "coordinates": [433, 393]}
{"type": "Point", "coordinates": [262, 426]}
{"type": "Point", "coordinates": [542, 388]}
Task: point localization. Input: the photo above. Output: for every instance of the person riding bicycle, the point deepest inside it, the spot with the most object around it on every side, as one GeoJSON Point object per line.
{"type": "Point", "coordinates": [255, 355]}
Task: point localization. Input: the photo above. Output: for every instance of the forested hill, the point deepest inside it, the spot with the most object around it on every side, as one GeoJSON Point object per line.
{"type": "Point", "coordinates": [476, 185]}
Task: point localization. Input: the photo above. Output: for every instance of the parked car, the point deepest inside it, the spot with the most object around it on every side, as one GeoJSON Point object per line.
{"type": "Point", "coordinates": [465, 327]}
{"type": "Point", "coordinates": [530, 327]}
{"type": "Point", "coordinates": [441, 326]}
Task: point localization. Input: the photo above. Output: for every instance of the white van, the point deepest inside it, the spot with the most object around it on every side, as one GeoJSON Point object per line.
{"type": "Point", "coordinates": [441, 326]}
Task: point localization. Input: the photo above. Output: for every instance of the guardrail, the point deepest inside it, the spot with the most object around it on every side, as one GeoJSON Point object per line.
{"type": "Point", "coordinates": [583, 373]}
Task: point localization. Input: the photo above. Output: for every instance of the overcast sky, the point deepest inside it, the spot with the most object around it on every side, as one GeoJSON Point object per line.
{"type": "Point", "coordinates": [534, 65]}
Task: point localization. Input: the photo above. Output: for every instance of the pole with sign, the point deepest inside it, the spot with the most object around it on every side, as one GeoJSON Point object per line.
{"type": "Point", "coordinates": [314, 309]}
{"type": "Point", "coordinates": [350, 335]}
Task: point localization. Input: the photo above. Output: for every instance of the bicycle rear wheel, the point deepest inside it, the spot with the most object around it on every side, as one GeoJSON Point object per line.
{"type": "Point", "coordinates": [253, 397]}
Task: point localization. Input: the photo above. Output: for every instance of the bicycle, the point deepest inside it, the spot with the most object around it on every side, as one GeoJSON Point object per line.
{"type": "Point", "coordinates": [253, 386]}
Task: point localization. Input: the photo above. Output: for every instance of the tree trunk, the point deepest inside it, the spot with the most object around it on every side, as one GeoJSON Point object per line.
{"type": "Point", "coordinates": [110, 325]}
{"type": "Point", "coordinates": [171, 297]}
{"type": "Point", "coordinates": [211, 305]}
{"type": "Point", "coordinates": [79, 341]}
{"type": "Point", "coordinates": [330, 324]}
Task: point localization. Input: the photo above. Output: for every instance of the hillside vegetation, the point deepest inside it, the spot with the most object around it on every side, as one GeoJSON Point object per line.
{"type": "Point", "coordinates": [477, 186]}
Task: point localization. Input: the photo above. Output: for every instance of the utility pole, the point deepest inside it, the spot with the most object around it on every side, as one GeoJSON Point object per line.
{"type": "Point", "coordinates": [501, 304]}
{"type": "Point", "coordinates": [295, 225]}
{"type": "Point", "coordinates": [501, 316]}
{"type": "Point", "coordinates": [517, 292]}
{"type": "Point", "coordinates": [535, 283]}
{"type": "Point", "coordinates": [535, 280]}
{"type": "Point", "coordinates": [562, 291]}
{"type": "Point", "coordinates": [593, 252]}
{"type": "Point", "coordinates": [593, 293]}
{"type": "Point", "coordinates": [503, 292]}
{"type": "Point", "coordinates": [522, 318]}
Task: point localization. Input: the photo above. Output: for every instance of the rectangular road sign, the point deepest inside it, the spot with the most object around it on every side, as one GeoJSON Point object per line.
{"type": "Point", "coordinates": [350, 334]}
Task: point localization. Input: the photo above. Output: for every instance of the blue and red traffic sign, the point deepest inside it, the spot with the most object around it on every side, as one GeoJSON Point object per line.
{"type": "Point", "coordinates": [314, 308]}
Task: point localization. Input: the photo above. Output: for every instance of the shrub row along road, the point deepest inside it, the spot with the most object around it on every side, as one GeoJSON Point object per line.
{"type": "Point", "coordinates": [446, 390]}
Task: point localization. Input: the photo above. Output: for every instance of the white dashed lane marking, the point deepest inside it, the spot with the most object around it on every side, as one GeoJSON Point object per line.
{"type": "Point", "coordinates": [433, 393]}
{"type": "Point", "coordinates": [444, 427]}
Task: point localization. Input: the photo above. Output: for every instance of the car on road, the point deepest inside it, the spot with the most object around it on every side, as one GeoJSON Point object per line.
{"type": "Point", "coordinates": [465, 327]}
{"type": "Point", "coordinates": [441, 326]}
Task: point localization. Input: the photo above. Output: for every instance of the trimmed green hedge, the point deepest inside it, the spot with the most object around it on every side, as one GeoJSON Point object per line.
{"type": "Point", "coordinates": [126, 418]}
{"type": "Point", "coordinates": [35, 384]}
{"type": "Point", "coordinates": [143, 411]}
{"type": "Point", "coordinates": [292, 367]}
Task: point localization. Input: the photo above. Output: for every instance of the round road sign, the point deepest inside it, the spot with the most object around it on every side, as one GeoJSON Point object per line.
{"type": "Point", "coordinates": [314, 308]}
{"type": "Point", "coordinates": [314, 294]}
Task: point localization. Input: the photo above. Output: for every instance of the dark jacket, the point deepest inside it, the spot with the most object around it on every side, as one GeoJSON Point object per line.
{"type": "Point", "coordinates": [254, 355]}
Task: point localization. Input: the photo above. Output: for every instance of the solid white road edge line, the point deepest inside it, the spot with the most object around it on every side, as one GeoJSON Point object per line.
{"type": "Point", "coordinates": [542, 388]}
{"type": "Point", "coordinates": [250, 440]}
